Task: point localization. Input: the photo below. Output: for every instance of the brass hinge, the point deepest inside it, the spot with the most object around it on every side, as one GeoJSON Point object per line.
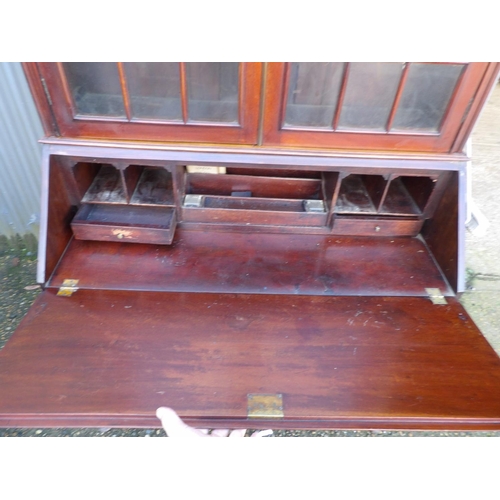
{"type": "Point", "coordinates": [193, 201]}
{"type": "Point", "coordinates": [68, 288]}
{"type": "Point", "coordinates": [436, 296]}
{"type": "Point", "coordinates": [314, 206]}
{"type": "Point", "coordinates": [265, 406]}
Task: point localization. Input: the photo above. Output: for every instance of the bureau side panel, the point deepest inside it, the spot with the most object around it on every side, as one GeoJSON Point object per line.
{"type": "Point", "coordinates": [444, 233]}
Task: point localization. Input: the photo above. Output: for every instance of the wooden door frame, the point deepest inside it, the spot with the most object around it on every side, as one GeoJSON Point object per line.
{"type": "Point", "coordinates": [56, 109]}
{"type": "Point", "coordinates": [275, 99]}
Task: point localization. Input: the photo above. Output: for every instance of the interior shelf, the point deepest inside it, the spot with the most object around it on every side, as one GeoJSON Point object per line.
{"type": "Point", "coordinates": [227, 198]}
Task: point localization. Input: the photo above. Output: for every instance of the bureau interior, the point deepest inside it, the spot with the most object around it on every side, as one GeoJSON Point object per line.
{"type": "Point", "coordinates": [226, 211]}
{"type": "Point", "coordinates": [350, 202]}
{"type": "Point", "coordinates": [262, 197]}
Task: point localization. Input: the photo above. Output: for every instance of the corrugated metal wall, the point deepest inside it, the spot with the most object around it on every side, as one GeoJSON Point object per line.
{"type": "Point", "coordinates": [20, 155]}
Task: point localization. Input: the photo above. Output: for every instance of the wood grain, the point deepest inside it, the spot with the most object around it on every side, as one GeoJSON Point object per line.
{"type": "Point", "coordinates": [441, 233]}
{"type": "Point", "coordinates": [259, 186]}
{"type": "Point", "coordinates": [111, 358]}
{"type": "Point", "coordinates": [128, 223]}
{"type": "Point", "coordinates": [233, 262]}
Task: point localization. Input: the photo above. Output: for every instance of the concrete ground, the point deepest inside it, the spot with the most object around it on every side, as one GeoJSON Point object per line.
{"type": "Point", "coordinates": [482, 299]}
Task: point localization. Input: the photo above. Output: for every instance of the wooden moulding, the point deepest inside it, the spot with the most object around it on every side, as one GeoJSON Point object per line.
{"type": "Point", "coordinates": [127, 223]}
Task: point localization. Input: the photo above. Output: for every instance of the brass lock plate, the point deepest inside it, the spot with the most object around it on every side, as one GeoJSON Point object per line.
{"type": "Point", "coordinates": [265, 406]}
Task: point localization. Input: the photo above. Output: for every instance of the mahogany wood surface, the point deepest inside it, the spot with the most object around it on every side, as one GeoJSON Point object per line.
{"type": "Point", "coordinates": [441, 233]}
{"type": "Point", "coordinates": [111, 358]}
{"type": "Point", "coordinates": [240, 302]}
{"type": "Point", "coordinates": [63, 198]}
{"type": "Point", "coordinates": [130, 223]}
{"type": "Point", "coordinates": [204, 261]}
{"type": "Point", "coordinates": [307, 160]}
{"type": "Point", "coordinates": [259, 186]}
{"type": "Point", "coordinates": [263, 211]}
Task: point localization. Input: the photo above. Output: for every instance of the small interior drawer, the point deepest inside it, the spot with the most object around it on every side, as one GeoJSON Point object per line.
{"type": "Point", "coordinates": [126, 223]}
{"type": "Point", "coordinates": [376, 226]}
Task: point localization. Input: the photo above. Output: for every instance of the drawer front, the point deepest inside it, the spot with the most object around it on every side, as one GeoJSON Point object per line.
{"type": "Point", "coordinates": [86, 227]}
{"type": "Point", "coordinates": [376, 227]}
{"type": "Point", "coordinates": [244, 217]}
{"type": "Point", "coordinates": [123, 234]}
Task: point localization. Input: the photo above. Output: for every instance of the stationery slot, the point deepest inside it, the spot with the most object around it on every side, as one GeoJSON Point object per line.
{"type": "Point", "coordinates": [360, 194]}
{"type": "Point", "coordinates": [154, 187]}
{"type": "Point", "coordinates": [107, 187]}
{"type": "Point", "coordinates": [408, 195]}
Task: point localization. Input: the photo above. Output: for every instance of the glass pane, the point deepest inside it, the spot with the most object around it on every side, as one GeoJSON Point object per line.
{"type": "Point", "coordinates": [426, 95]}
{"type": "Point", "coordinates": [154, 89]}
{"type": "Point", "coordinates": [96, 88]}
{"type": "Point", "coordinates": [313, 90]}
{"type": "Point", "coordinates": [370, 93]}
{"type": "Point", "coordinates": [212, 92]}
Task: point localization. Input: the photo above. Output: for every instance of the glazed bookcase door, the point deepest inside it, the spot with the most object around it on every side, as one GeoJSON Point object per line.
{"type": "Point", "coordinates": [186, 102]}
{"type": "Point", "coordinates": [378, 106]}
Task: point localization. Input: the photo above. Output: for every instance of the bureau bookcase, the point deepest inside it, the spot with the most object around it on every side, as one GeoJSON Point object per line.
{"type": "Point", "coordinates": [253, 245]}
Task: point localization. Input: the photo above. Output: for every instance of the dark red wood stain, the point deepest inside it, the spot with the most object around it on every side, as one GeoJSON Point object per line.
{"type": "Point", "coordinates": [301, 271]}
{"type": "Point", "coordinates": [202, 261]}
{"type": "Point", "coordinates": [109, 358]}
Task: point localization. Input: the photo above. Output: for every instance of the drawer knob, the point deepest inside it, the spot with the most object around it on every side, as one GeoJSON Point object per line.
{"type": "Point", "coordinates": [122, 233]}
{"type": "Point", "coordinates": [377, 228]}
